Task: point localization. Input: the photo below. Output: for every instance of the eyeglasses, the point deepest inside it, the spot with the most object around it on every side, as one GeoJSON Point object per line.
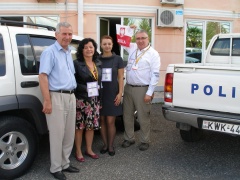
{"type": "Point", "coordinates": [141, 38]}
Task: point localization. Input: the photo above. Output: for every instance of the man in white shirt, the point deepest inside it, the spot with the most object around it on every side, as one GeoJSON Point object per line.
{"type": "Point", "coordinates": [142, 76]}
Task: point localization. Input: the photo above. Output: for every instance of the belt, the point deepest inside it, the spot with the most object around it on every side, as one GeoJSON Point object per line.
{"type": "Point", "coordinates": [138, 85]}
{"type": "Point", "coordinates": [64, 91]}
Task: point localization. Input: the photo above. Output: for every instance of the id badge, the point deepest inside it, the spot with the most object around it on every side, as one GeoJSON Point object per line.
{"type": "Point", "coordinates": [135, 67]}
{"type": "Point", "coordinates": [92, 89]}
{"type": "Point", "coordinates": [107, 74]}
{"type": "Point", "coordinates": [129, 65]}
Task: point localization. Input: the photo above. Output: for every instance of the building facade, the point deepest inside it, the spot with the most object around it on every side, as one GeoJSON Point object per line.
{"type": "Point", "coordinates": [175, 26]}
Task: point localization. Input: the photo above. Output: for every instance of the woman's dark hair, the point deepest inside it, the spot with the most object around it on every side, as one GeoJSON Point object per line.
{"type": "Point", "coordinates": [80, 48]}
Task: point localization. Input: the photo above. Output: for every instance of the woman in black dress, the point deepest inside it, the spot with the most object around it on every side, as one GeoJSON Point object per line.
{"type": "Point", "coordinates": [112, 89]}
{"type": "Point", "coordinates": [88, 77]}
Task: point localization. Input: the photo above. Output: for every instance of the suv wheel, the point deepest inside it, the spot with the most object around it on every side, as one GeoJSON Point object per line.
{"type": "Point", "coordinates": [18, 146]}
{"type": "Point", "coordinates": [192, 135]}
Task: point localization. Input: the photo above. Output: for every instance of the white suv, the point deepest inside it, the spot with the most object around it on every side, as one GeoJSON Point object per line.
{"type": "Point", "coordinates": [21, 119]}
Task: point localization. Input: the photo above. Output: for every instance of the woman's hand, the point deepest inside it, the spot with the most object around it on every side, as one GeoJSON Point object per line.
{"type": "Point", "coordinates": [118, 99]}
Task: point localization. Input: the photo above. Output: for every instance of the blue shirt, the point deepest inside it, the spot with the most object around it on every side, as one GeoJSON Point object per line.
{"type": "Point", "coordinates": [57, 63]}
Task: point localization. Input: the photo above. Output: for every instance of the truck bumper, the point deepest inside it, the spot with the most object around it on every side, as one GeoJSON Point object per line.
{"type": "Point", "coordinates": [192, 117]}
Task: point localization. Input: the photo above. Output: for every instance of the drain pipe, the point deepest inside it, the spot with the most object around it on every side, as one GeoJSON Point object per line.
{"type": "Point", "coordinates": [80, 18]}
{"type": "Point", "coordinates": [66, 10]}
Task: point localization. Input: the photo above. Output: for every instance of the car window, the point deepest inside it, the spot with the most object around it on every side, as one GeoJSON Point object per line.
{"type": "Point", "coordinates": [26, 55]}
{"type": "Point", "coordinates": [2, 58]}
{"type": "Point", "coordinates": [30, 49]}
{"type": "Point", "coordinates": [221, 47]}
{"type": "Point", "coordinates": [236, 47]}
{"type": "Point", "coordinates": [39, 44]}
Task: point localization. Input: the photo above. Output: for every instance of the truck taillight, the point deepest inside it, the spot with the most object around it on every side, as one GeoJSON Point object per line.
{"type": "Point", "coordinates": [168, 87]}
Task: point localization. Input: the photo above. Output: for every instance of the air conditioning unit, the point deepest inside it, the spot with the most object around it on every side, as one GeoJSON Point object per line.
{"type": "Point", "coordinates": [177, 2]}
{"type": "Point", "coordinates": [170, 18]}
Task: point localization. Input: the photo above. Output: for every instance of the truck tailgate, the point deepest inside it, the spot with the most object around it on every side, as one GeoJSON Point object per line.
{"type": "Point", "coordinates": [207, 88]}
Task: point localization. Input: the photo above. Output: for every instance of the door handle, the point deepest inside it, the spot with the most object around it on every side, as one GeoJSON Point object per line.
{"type": "Point", "coordinates": [28, 84]}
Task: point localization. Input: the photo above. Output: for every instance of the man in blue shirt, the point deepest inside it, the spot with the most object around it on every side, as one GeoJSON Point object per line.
{"type": "Point", "coordinates": [57, 83]}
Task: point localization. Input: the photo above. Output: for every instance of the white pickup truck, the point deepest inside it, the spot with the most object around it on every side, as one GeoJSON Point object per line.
{"type": "Point", "coordinates": [206, 96]}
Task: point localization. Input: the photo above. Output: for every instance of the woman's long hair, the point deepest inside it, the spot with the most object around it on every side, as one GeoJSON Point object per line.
{"type": "Point", "coordinates": [81, 45]}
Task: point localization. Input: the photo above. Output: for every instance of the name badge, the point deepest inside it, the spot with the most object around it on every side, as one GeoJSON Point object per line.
{"type": "Point", "coordinates": [107, 74]}
{"type": "Point", "coordinates": [135, 67]}
{"type": "Point", "coordinates": [129, 65]}
{"type": "Point", "coordinates": [92, 89]}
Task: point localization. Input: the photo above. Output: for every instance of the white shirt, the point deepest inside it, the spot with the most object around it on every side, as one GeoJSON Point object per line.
{"type": "Point", "coordinates": [144, 71]}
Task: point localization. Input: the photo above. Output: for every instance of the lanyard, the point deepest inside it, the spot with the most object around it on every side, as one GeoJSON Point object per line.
{"type": "Point", "coordinates": [94, 72]}
{"type": "Point", "coordinates": [138, 58]}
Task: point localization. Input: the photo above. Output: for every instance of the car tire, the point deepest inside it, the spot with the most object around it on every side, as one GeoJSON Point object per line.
{"type": "Point", "coordinates": [192, 135]}
{"type": "Point", "coordinates": [18, 146]}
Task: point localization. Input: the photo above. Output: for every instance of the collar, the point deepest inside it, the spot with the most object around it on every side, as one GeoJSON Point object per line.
{"type": "Point", "coordinates": [59, 47]}
{"type": "Point", "coordinates": [144, 48]}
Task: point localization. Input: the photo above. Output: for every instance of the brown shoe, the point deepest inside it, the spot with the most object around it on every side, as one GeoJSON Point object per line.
{"type": "Point", "coordinates": [127, 143]}
{"type": "Point", "coordinates": [143, 146]}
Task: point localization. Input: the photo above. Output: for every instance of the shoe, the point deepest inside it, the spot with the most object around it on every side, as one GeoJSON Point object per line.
{"type": "Point", "coordinates": [127, 143]}
{"type": "Point", "coordinates": [71, 169]}
{"type": "Point", "coordinates": [80, 159]}
{"type": "Point", "coordinates": [94, 156]}
{"type": "Point", "coordinates": [103, 151]}
{"type": "Point", "coordinates": [59, 175]}
{"type": "Point", "coordinates": [112, 153]}
{"type": "Point", "coordinates": [143, 146]}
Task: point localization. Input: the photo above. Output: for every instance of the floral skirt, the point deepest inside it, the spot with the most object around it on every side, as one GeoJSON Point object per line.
{"type": "Point", "coordinates": [87, 114]}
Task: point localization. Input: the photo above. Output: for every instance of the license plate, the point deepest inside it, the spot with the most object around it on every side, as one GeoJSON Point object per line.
{"type": "Point", "coordinates": [221, 127]}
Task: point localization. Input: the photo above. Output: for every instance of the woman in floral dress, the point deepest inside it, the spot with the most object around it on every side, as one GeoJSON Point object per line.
{"type": "Point", "coordinates": [88, 77]}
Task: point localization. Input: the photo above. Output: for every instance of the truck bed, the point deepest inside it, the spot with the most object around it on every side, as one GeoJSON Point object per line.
{"type": "Point", "coordinates": [206, 87]}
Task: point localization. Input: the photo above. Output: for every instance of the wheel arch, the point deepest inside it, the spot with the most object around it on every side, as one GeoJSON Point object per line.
{"type": "Point", "coordinates": [28, 108]}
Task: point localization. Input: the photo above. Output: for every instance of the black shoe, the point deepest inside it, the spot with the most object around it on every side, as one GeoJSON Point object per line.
{"type": "Point", "coordinates": [59, 175]}
{"type": "Point", "coordinates": [127, 143]}
{"type": "Point", "coordinates": [111, 153]}
{"type": "Point", "coordinates": [71, 169]}
{"type": "Point", "coordinates": [103, 151]}
{"type": "Point", "coordinates": [143, 146]}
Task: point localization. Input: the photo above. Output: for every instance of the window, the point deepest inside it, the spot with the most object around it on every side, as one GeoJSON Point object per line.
{"type": "Point", "coordinates": [44, 20]}
{"type": "Point", "coordinates": [30, 49]}
{"type": "Point", "coordinates": [27, 57]}
{"type": "Point", "coordinates": [198, 35]}
{"type": "Point", "coordinates": [236, 47]}
{"type": "Point", "coordinates": [2, 58]}
{"type": "Point", "coordinates": [221, 47]}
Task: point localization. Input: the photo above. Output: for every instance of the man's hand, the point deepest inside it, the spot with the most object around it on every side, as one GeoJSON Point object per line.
{"type": "Point", "coordinates": [47, 107]}
{"type": "Point", "coordinates": [147, 99]}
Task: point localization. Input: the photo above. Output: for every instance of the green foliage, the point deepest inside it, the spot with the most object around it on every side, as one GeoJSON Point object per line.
{"type": "Point", "coordinates": [145, 25]}
{"type": "Point", "coordinates": [194, 37]}
{"type": "Point", "coordinates": [214, 28]}
{"type": "Point", "coordinates": [142, 23]}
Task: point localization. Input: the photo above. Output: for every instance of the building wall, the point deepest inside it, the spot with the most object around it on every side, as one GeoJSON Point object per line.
{"type": "Point", "coordinates": [169, 42]}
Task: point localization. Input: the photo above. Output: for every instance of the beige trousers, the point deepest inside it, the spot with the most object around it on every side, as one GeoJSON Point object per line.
{"type": "Point", "coordinates": [133, 99]}
{"type": "Point", "coordinates": [61, 125]}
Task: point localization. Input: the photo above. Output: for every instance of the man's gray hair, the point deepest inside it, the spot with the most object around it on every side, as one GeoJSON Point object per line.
{"type": "Point", "coordinates": [62, 24]}
{"type": "Point", "coordinates": [141, 31]}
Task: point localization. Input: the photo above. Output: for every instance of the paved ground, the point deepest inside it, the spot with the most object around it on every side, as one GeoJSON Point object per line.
{"type": "Point", "coordinates": [216, 156]}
